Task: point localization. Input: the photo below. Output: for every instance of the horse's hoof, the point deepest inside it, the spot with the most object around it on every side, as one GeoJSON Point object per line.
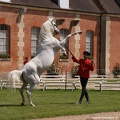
{"type": "Point", "coordinates": [31, 104]}
{"type": "Point", "coordinates": [80, 32]}
{"type": "Point", "coordinates": [22, 104]}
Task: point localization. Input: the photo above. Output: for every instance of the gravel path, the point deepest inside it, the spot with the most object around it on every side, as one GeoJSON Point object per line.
{"type": "Point", "coordinates": [96, 116]}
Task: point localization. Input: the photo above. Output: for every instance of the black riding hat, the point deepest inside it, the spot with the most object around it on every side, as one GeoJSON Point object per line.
{"type": "Point", "coordinates": [86, 53]}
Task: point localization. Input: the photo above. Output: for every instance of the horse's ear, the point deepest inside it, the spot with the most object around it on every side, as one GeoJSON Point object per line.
{"type": "Point", "coordinates": [51, 19]}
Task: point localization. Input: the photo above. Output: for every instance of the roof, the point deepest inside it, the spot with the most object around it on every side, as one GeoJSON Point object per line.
{"type": "Point", "coordinates": [118, 2]}
{"type": "Point", "coordinates": [84, 6]}
{"type": "Point", "coordinates": [110, 6]}
{"type": "Point", "coordinates": [91, 6]}
{"type": "Point", "coordinates": [36, 3]}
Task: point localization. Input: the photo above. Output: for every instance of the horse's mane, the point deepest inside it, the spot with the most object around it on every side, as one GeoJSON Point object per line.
{"type": "Point", "coordinates": [46, 30]}
{"type": "Point", "coordinates": [46, 33]}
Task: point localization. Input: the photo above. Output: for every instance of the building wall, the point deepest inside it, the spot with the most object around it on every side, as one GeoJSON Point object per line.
{"type": "Point", "coordinates": [77, 44]}
{"type": "Point", "coordinates": [114, 42]}
{"type": "Point", "coordinates": [32, 18]}
{"type": "Point", "coordinates": [90, 23]}
{"type": "Point", "coordinates": [66, 66]}
{"type": "Point", "coordinates": [20, 35]}
{"type": "Point", "coordinates": [8, 16]}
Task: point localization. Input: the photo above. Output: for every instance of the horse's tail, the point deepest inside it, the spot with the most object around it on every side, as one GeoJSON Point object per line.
{"type": "Point", "coordinates": [13, 76]}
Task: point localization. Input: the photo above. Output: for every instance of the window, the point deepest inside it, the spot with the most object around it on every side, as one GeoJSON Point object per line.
{"type": "Point", "coordinates": [89, 41]}
{"type": "Point", "coordinates": [4, 39]}
{"type": "Point", "coordinates": [63, 34]}
{"type": "Point", "coordinates": [34, 39]}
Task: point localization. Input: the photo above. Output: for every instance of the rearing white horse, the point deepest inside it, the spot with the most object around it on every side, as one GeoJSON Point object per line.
{"type": "Point", "coordinates": [47, 49]}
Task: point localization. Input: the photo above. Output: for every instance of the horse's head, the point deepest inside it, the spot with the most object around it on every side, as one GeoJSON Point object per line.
{"type": "Point", "coordinates": [54, 28]}
{"type": "Point", "coordinates": [49, 27]}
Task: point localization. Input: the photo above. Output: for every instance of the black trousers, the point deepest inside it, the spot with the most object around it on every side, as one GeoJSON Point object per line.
{"type": "Point", "coordinates": [84, 92]}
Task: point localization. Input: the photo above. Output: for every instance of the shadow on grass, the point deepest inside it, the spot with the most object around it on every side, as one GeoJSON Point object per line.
{"type": "Point", "coordinates": [11, 105]}
{"type": "Point", "coordinates": [64, 103]}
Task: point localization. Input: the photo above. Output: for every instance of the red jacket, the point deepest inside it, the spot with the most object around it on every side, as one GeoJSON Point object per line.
{"type": "Point", "coordinates": [84, 67]}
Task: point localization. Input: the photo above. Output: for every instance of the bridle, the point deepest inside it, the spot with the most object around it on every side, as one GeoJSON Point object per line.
{"type": "Point", "coordinates": [54, 25]}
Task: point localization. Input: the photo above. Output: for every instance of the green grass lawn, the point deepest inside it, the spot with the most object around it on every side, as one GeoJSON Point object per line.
{"type": "Point", "coordinates": [51, 103]}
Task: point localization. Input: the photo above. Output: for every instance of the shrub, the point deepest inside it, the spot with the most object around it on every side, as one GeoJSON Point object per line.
{"type": "Point", "coordinates": [4, 55]}
{"type": "Point", "coordinates": [74, 71]}
{"type": "Point", "coordinates": [63, 56]}
{"type": "Point", "coordinates": [116, 69]}
{"type": "Point", "coordinates": [53, 69]}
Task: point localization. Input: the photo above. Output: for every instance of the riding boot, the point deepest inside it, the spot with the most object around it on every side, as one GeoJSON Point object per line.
{"type": "Point", "coordinates": [87, 96]}
{"type": "Point", "coordinates": [82, 94]}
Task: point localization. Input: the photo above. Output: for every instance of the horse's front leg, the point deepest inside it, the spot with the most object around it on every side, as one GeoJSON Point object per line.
{"type": "Point", "coordinates": [64, 41]}
{"type": "Point", "coordinates": [77, 32]}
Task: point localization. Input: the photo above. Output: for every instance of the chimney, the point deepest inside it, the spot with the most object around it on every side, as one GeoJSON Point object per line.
{"type": "Point", "coordinates": [5, 0]}
{"type": "Point", "coordinates": [63, 3]}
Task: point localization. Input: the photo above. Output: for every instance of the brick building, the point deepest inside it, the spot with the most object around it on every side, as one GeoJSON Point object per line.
{"type": "Point", "coordinates": [99, 20]}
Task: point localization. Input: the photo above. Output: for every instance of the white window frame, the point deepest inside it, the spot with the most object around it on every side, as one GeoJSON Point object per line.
{"type": "Point", "coordinates": [4, 39]}
{"type": "Point", "coordinates": [35, 31]}
{"type": "Point", "coordinates": [89, 41]}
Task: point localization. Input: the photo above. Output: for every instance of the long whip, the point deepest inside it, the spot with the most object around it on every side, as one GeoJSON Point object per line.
{"type": "Point", "coordinates": [69, 50]}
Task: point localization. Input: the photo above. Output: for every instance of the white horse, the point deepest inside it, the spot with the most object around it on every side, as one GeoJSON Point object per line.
{"type": "Point", "coordinates": [47, 49]}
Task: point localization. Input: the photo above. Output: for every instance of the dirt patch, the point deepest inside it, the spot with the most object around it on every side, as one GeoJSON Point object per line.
{"type": "Point", "coordinates": [96, 116]}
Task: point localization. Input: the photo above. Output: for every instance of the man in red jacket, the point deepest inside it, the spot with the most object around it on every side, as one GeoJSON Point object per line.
{"type": "Point", "coordinates": [85, 65]}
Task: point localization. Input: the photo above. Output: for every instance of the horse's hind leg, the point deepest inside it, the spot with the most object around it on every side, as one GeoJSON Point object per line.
{"type": "Point", "coordinates": [21, 92]}
{"type": "Point", "coordinates": [29, 94]}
